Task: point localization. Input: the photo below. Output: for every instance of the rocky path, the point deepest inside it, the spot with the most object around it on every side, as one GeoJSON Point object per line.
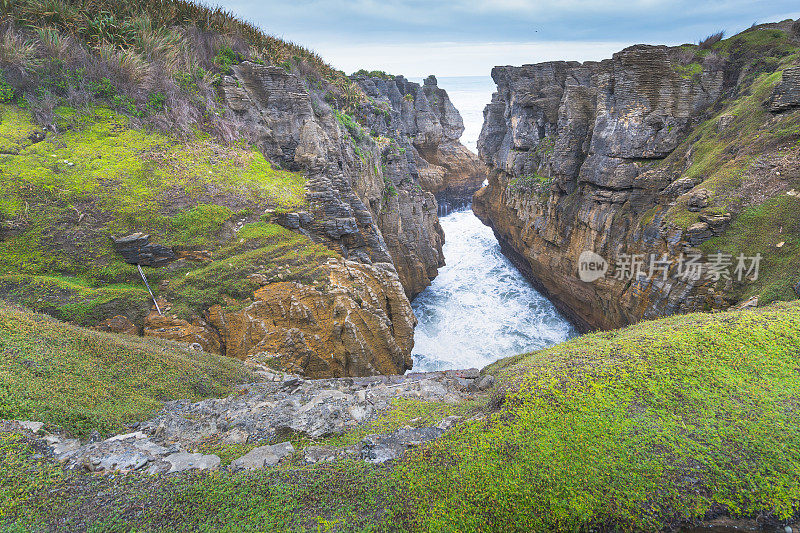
{"type": "Point", "coordinates": [263, 417]}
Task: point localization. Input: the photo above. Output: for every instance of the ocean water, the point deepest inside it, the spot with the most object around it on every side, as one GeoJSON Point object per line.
{"type": "Point", "coordinates": [480, 308]}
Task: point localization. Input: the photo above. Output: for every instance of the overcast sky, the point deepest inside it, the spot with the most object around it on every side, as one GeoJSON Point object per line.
{"type": "Point", "coordinates": [468, 37]}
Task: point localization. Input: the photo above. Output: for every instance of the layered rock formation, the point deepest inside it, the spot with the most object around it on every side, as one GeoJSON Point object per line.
{"type": "Point", "coordinates": [303, 243]}
{"type": "Point", "coordinates": [373, 177]}
{"type": "Point", "coordinates": [424, 123]}
{"type": "Point", "coordinates": [642, 154]}
{"type": "Point", "coordinates": [358, 324]}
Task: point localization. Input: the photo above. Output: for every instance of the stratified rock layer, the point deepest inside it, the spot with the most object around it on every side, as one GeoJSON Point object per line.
{"type": "Point", "coordinates": [423, 121]}
{"type": "Point", "coordinates": [600, 157]}
{"type": "Point", "coordinates": [358, 324]}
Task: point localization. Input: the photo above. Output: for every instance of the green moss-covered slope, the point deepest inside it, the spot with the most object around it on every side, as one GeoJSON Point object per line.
{"type": "Point", "coordinates": [83, 380]}
{"type": "Point", "coordinates": [64, 195]}
{"type": "Point", "coordinates": [738, 155]}
{"type": "Point", "coordinates": [662, 424]}
{"type": "Point", "coordinates": [641, 428]}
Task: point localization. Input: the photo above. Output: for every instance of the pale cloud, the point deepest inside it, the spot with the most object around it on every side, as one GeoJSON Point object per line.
{"type": "Point", "coordinates": [459, 59]}
{"type": "Point", "coordinates": [461, 37]}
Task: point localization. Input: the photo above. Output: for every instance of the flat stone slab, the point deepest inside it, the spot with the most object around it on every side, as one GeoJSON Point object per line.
{"type": "Point", "coordinates": [33, 427]}
{"type": "Point", "coordinates": [182, 461]}
{"type": "Point", "coordinates": [382, 448]}
{"type": "Point", "coordinates": [263, 456]}
{"type": "Point", "coordinates": [466, 373]}
{"type": "Point", "coordinates": [328, 454]}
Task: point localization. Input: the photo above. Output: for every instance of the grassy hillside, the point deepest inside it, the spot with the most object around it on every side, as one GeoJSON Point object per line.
{"type": "Point", "coordinates": [669, 420]}
{"type": "Point", "coordinates": [659, 424]}
{"type": "Point", "coordinates": [63, 198]}
{"type": "Point", "coordinates": [83, 380]}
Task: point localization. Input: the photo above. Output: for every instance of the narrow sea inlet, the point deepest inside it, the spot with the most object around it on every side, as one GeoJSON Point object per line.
{"type": "Point", "coordinates": [480, 308]}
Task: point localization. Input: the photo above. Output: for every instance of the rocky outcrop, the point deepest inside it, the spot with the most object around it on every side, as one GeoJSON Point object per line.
{"type": "Point", "coordinates": [359, 323]}
{"type": "Point", "coordinates": [257, 416]}
{"type": "Point", "coordinates": [195, 332]}
{"type": "Point", "coordinates": [138, 250]}
{"type": "Point", "coordinates": [422, 120]}
{"type": "Point", "coordinates": [601, 157]}
{"type": "Point", "coordinates": [787, 94]}
{"type": "Point", "coordinates": [370, 183]}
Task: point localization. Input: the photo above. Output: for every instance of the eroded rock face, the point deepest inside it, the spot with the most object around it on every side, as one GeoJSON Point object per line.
{"type": "Point", "coordinates": [137, 249]}
{"type": "Point", "coordinates": [359, 324]}
{"type": "Point", "coordinates": [294, 127]}
{"type": "Point", "coordinates": [369, 200]}
{"type": "Point", "coordinates": [371, 189]}
{"type": "Point", "coordinates": [197, 331]}
{"type": "Point", "coordinates": [573, 150]}
{"type": "Point", "coordinates": [423, 120]}
{"type": "Point", "coordinates": [787, 94]}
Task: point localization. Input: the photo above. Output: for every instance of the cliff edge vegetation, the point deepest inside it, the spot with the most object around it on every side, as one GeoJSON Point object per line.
{"type": "Point", "coordinates": [664, 424]}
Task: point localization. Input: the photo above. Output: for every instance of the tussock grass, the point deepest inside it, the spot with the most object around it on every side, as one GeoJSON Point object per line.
{"type": "Point", "coordinates": [55, 52]}
{"type": "Point", "coordinates": [711, 40]}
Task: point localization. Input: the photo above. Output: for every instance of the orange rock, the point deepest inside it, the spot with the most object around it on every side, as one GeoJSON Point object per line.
{"type": "Point", "coordinates": [177, 329]}
{"type": "Point", "coordinates": [360, 324]}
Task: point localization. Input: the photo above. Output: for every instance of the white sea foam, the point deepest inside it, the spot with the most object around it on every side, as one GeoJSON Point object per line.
{"type": "Point", "coordinates": [480, 308]}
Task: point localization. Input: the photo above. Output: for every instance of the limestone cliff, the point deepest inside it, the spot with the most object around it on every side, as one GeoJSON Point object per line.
{"type": "Point", "coordinates": [418, 131]}
{"type": "Point", "coordinates": [665, 151]}
{"type": "Point", "coordinates": [274, 209]}
{"type": "Point", "coordinates": [423, 121]}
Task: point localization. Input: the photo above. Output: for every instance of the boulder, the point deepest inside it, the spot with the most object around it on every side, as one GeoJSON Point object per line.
{"type": "Point", "coordinates": [698, 233]}
{"type": "Point", "coordinates": [483, 383]}
{"type": "Point", "coordinates": [136, 248]}
{"type": "Point", "coordinates": [263, 456]}
{"type": "Point", "coordinates": [382, 448]}
{"type": "Point", "coordinates": [750, 303]}
{"type": "Point", "coordinates": [328, 454]}
{"type": "Point", "coordinates": [698, 199]}
{"type": "Point", "coordinates": [182, 461]}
